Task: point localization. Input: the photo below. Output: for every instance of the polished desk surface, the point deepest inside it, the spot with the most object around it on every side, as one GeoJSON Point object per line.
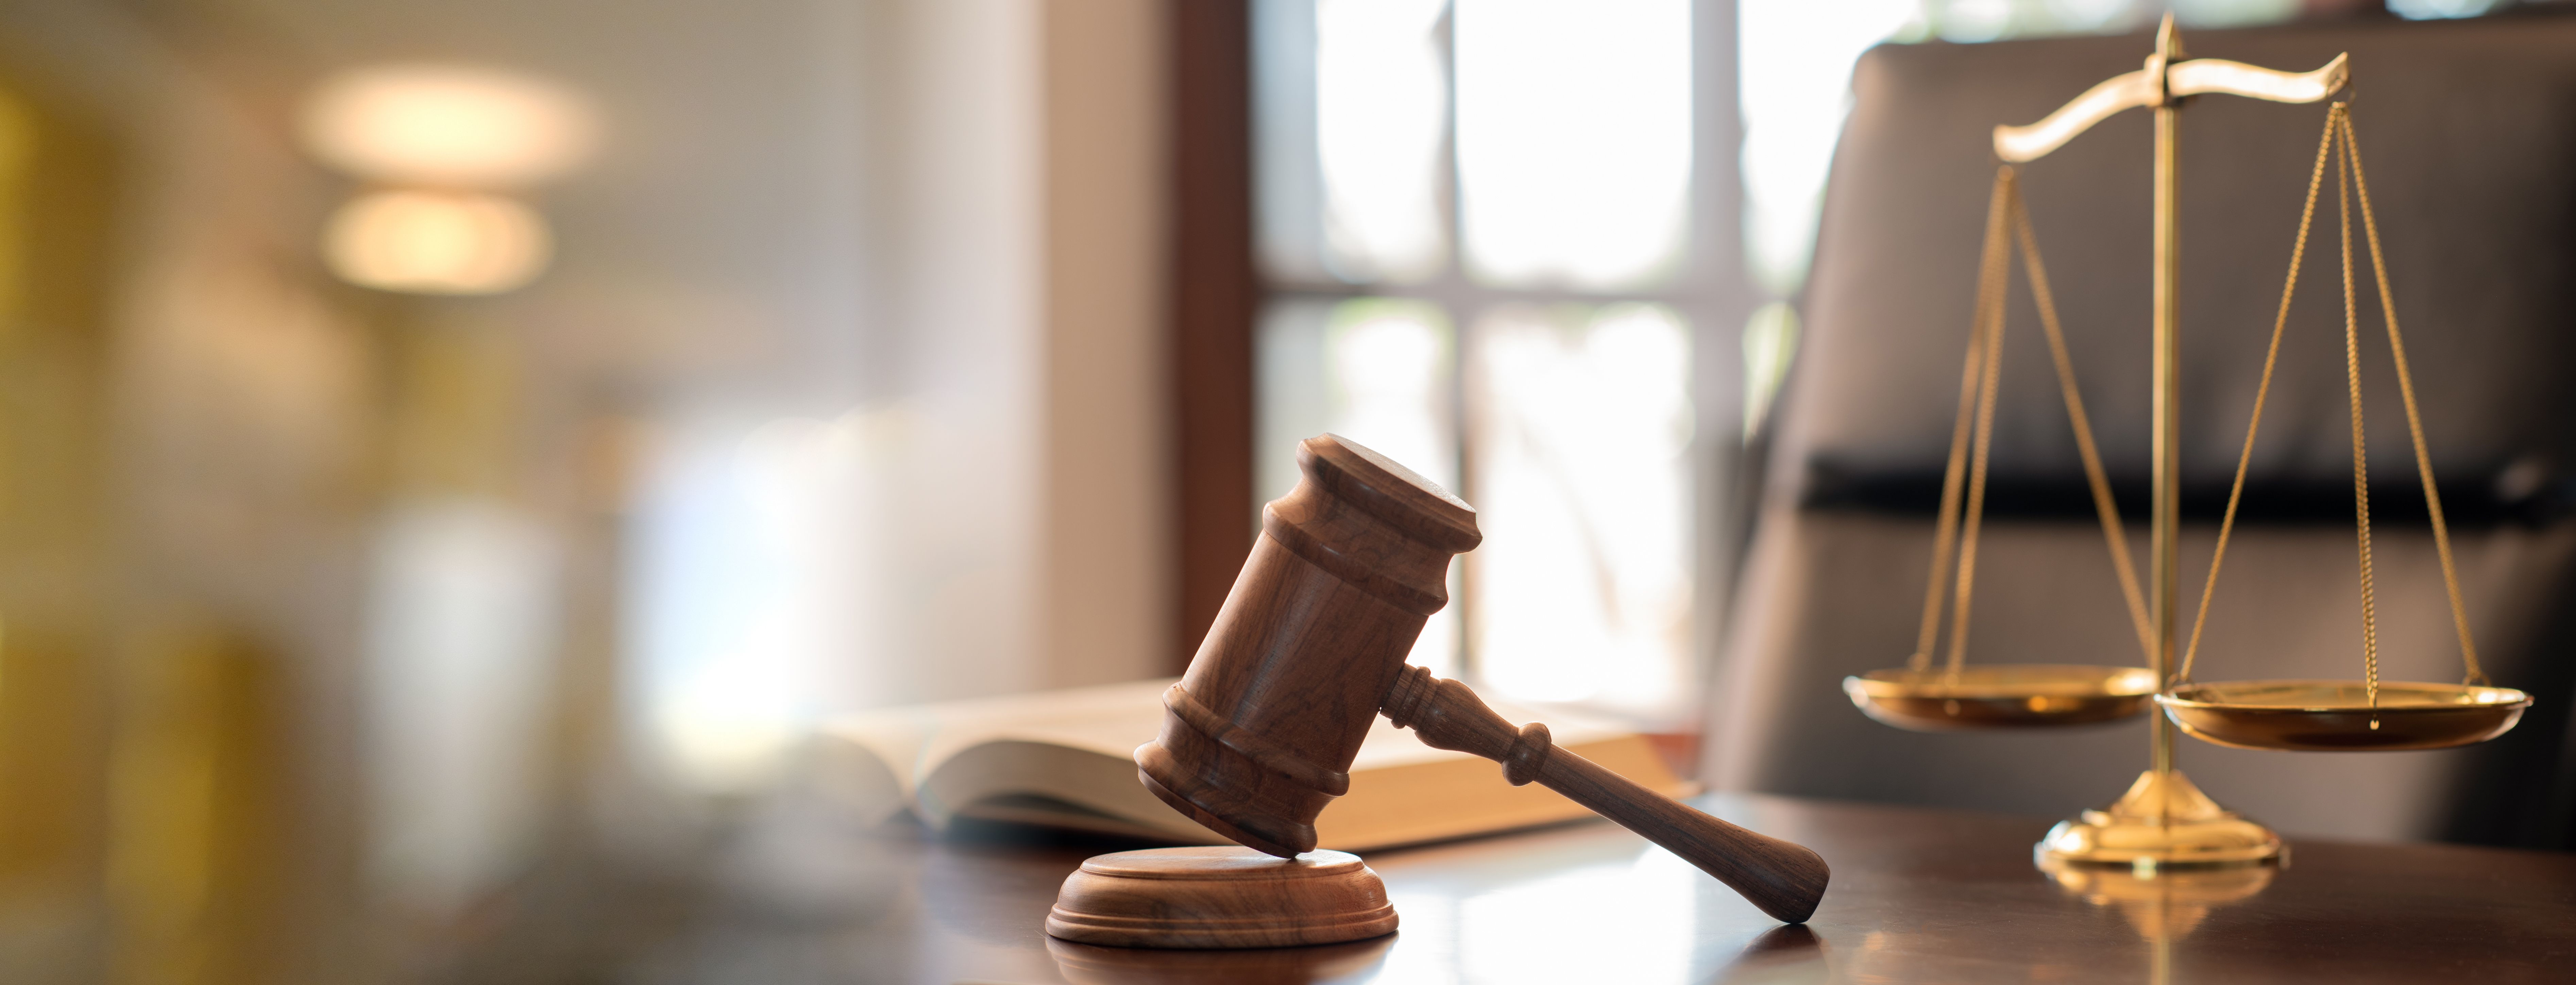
{"type": "Point", "coordinates": [1918, 896]}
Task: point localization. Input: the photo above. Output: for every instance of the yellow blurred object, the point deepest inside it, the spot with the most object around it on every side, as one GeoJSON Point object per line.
{"type": "Point", "coordinates": [196, 797]}
{"type": "Point", "coordinates": [17, 159]}
{"type": "Point", "coordinates": [437, 242]}
{"type": "Point", "coordinates": [56, 172]}
{"type": "Point", "coordinates": [459, 400]}
{"type": "Point", "coordinates": [447, 125]}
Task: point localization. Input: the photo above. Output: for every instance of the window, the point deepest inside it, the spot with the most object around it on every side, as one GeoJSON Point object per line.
{"type": "Point", "coordinates": [1476, 224]}
{"type": "Point", "coordinates": [1499, 241]}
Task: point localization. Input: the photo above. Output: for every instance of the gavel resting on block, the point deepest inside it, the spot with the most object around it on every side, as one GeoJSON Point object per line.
{"type": "Point", "coordinates": [1308, 648]}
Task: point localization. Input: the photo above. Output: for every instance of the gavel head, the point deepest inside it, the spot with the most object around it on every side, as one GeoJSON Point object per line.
{"type": "Point", "coordinates": [1258, 734]}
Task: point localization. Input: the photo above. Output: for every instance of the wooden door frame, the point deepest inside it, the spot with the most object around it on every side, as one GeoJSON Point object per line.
{"type": "Point", "coordinates": [1214, 295]}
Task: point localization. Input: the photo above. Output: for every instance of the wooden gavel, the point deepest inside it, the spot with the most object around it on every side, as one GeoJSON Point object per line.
{"type": "Point", "coordinates": [1310, 646]}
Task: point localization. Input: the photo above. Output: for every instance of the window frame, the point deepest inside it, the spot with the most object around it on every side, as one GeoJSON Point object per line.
{"type": "Point", "coordinates": [1709, 290]}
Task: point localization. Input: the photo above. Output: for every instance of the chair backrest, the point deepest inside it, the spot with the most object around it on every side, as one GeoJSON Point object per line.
{"type": "Point", "coordinates": [2468, 134]}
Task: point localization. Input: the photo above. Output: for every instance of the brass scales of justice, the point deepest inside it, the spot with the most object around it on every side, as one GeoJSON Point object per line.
{"type": "Point", "coordinates": [2164, 819]}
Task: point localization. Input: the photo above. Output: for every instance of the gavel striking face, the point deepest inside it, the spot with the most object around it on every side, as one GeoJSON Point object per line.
{"type": "Point", "coordinates": [1310, 646]}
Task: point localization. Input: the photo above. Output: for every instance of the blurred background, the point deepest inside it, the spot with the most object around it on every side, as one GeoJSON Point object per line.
{"type": "Point", "coordinates": [452, 454]}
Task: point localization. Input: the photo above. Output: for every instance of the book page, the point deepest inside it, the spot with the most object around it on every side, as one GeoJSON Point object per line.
{"type": "Point", "coordinates": [858, 778]}
{"type": "Point", "coordinates": [1111, 719]}
{"type": "Point", "coordinates": [1012, 770]}
{"type": "Point", "coordinates": [1075, 746]}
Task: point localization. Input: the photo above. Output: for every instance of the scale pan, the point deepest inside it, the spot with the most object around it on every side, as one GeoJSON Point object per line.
{"type": "Point", "coordinates": [2001, 695]}
{"type": "Point", "coordinates": [2335, 716]}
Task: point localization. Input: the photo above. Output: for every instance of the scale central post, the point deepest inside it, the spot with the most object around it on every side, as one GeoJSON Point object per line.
{"type": "Point", "coordinates": [2163, 820]}
{"type": "Point", "coordinates": [2165, 523]}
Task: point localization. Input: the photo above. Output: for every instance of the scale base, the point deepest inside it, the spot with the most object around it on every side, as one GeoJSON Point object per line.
{"type": "Point", "coordinates": [2162, 821]}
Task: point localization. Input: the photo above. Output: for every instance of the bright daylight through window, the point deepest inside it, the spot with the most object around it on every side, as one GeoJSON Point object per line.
{"type": "Point", "coordinates": [1470, 215]}
{"type": "Point", "coordinates": [1475, 230]}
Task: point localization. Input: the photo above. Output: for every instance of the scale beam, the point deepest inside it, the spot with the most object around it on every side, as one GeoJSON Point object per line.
{"type": "Point", "coordinates": [2141, 89]}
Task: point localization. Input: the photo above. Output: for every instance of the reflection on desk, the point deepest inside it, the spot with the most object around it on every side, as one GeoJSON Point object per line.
{"type": "Point", "coordinates": [1918, 896]}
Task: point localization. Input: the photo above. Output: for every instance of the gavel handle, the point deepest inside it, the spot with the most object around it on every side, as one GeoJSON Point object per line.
{"type": "Point", "coordinates": [1785, 879]}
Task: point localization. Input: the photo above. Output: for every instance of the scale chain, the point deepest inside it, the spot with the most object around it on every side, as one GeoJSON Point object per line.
{"type": "Point", "coordinates": [2414, 420]}
{"type": "Point", "coordinates": [1946, 530]}
{"type": "Point", "coordinates": [1971, 439]}
{"type": "Point", "coordinates": [1997, 283]}
{"type": "Point", "coordinates": [2340, 144]}
{"type": "Point", "coordinates": [2271, 355]}
{"type": "Point", "coordinates": [2103, 506]}
{"type": "Point", "coordinates": [2360, 449]}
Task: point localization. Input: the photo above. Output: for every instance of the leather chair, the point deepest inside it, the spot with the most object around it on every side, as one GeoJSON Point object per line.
{"type": "Point", "coordinates": [2468, 133]}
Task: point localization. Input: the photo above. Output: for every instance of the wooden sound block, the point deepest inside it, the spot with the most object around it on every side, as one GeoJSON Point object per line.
{"type": "Point", "coordinates": [1220, 897]}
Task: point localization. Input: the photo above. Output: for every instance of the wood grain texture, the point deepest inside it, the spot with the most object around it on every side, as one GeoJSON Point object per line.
{"type": "Point", "coordinates": [1220, 897]}
{"type": "Point", "coordinates": [1921, 897]}
{"type": "Point", "coordinates": [1263, 727]}
{"type": "Point", "coordinates": [1785, 880]}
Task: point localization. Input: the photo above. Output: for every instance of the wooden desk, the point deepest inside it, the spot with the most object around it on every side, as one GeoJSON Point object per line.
{"type": "Point", "coordinates": [1918, 896]}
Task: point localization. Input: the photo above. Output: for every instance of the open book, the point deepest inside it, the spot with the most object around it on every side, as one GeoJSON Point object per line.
{"type": "Point", "coordinates": [1061, 758]}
